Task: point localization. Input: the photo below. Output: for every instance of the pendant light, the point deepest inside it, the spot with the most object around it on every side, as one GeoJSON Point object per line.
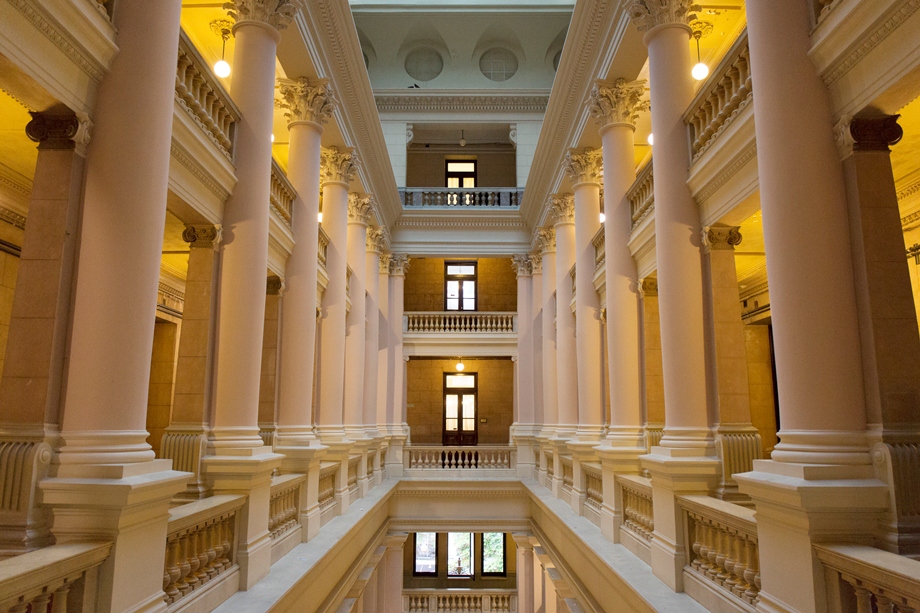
{"type": "Point", "coordinates": [460, 365]}
{"type": "Point", "coordinates": [462, 144]}
{"type": "Point", "coordinates": [221, 27]}
{"type": "Point", "coordinates": [700, 29]}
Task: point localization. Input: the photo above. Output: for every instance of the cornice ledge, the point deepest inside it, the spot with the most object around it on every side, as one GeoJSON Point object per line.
{"type": "Point", "coordinates": [461, 100]}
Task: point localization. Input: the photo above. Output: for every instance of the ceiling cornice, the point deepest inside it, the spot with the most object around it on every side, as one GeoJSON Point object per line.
{"type": "Point", "coordinates": [330, 37]}
{"type": "Point", "coordinates": [523, 101]}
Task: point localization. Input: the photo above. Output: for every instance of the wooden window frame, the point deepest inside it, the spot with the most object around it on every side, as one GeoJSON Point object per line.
{"type": "Point", "coordinates": [462, 390]}
{"type": "Point", "coordinates": [448, 174]}
{"type": "Point", "coordinates": [482, 555]}
{"type": "Point", "coordinates": [461, 279]}
{"type": "Point", "coordinates": [416, 573]}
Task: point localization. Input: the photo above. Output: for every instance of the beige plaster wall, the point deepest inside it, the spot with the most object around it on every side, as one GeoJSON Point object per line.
{"type": "Point", "coordinates": [478, 582]}
{"type": "Point", "coordinates": [654, 378]}
{"type": "Point", "coordinates": [760, 383]}
{"type": "Point", "coordinates": [162, 377]}
{"type": "Point", "coordinates": [429, 168]}
{"type": "Point", "coordinates": [269, 361]}
{"type": "Point", "coordinates": [424, 285]}
{"type": "Point", "coordinates": [9, 270]}
{"type": "Point", "coordinates": [425, 398]}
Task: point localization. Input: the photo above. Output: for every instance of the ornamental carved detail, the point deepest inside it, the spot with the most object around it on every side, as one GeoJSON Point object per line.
{"type": "Point", "coordinates": [386, 261]}
{"type": "Point", "coordinates": [521, 265]}
{"type": "Point", "coordinates": [399, 263]}
{"type": "Point", "coordinates": [276, 13]}
{"type": "Point", "coordinates": [617, 102]}
{"type": "Point", "coordinates": [67, 131]}
{"type": "Point", "coordinates": [867, 133]}
{"type": "Point", "coordinates": [377, 239]}
{"type": "Point", "coordinates": [562, 209]}
{"type": "Point", "coordinates": [337, 166]}
{"type": "Point", "coordinates": [536, 263]}
{"type": "Point", "coordinates": [359, 209]}
{"type": "Point", "coordinates": [202, 236]}
{"type": "Point", "coordinates": [274, 286]}
{"type": "Point", "coordinates": [720, 238]}
{"type": "Point", "coordinates": [646, 14]}
{"type": "Point", "coordinates": [584, 167]}
{"type": "Point", "coordinates": [545, 240]}
{"type": "Point", "coordinates": [305, 100]}
{"type": "Point", "coordinates": [648, 286]}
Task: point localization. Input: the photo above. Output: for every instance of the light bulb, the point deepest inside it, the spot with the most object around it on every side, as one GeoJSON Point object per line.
{"type": "Point", "coordinates": [273, 138]}
{"type": "Point", "coordinates": [700, 71]}
{"type": "Point", "coordinates": [319, 217]}
{"type": "Point", "coordinates": [603, 218]}
{"type": "Point", "coordinates": [460, 366]}
{"type": "Point", "coordinates": [222, 69]}
{"type": "Point", "coordinates": [651, 139]}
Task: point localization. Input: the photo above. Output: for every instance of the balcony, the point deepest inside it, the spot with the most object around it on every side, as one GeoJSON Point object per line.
{"type": "Point", "coordinates": [470, 333]}
{"type": "Point", "coordinates": [442, 197]}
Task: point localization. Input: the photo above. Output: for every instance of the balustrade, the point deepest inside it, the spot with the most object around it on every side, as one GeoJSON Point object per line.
{"type": "Point", "coordinates": [638, 511]}
{"type": "Point", "coordinates": [567, 475]}
{"type": "Point", "coordinates": [473, 321]}
{"type": "Point", "coordinates": [327, 487]}
{"type": "Point", "coordinates": [460, 457]}
{"type": "Point", "coordinates": [725, 94]}
{"type": "Point", "coordinates": [641, 195]}
{"type": "Point", "coordinates": [203, 97]}
{"type": "Point", "coordinates": [282, 195]}
{"type": "Point", "coordinates": [594, 486]}
{"type": "Point", "coordinates": [323, 247]}
{"type": "Point", "coordinates": [284, 504]}
{"type": "Point", "coordinates": [599, 242]}
{"type": "Point", "coordinates": [459, 601]}
{"type": "Point", "coordinates": [353, 478]}
{"type": "Point", "coordinates": [491, 197]}
{"type": "Point", "coordinates": [199, 544]}
{"type": "Point", "coordinates": [722, 545]}
{"type": "Point", "coordinates": [869, 579]}
{"type": "Point", "coordinates": [43, 580]}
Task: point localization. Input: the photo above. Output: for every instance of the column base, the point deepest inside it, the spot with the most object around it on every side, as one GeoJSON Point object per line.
{"type": "Point", "coordinates": [801, 504]}
{"type": "Point", "coordinates": [331, 435]}
{"type": "Point", "coordinates": [295, 436]}
{"type": "Point", "coordinates": [589, 435]}
{"type": "Point", "coordinates": [129, 505]}
{"type": "Point", "coordinates": [524, 442]}
{"type": "Point", "coordinates": [27, 526]}
{"type": "Point", "coordinates": [394, 457]}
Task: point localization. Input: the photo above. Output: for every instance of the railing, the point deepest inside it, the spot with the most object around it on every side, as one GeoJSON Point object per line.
{"type": "Point", "coordinates": [869, 579]}
{"type": "Point", "coordinates": [641, 195]}
{"type": "Point", "coordinates": [199, 544]}
{"type": "Point", "coordinates": [600, 252]}
{"type": "Point", "coordinates": [459, 601]}
{"type": "Point", "coordinates": [323, 247]}
{"type": "Point", "coordinates": [470, 321]}
{"type": "Point", "coordinates": [568, 475]}
{"type": "Point", "coordinates": [637, 506]}
{"type": "Point", "coordinates": [39, 581]}
{"type": "Point", "coordinates": [491, 197]}
{"type": "Point", "coordinates": [460, 457]}
{"type": "Point", "coordinates": [203, 97]}
{"type": "Point", "coordinates": [284, 504]}
{"type": "Point", "coordinates": [722, 545]}
{"type": "Point", "coordinates": [327, 487]}
{"type": "Point", "coordinates": [727, 92]}
{"type": "Point", "coordinates": [594, 486]}
{"type": "Point", "coordinates": [353, 478]}
{"type": "Point", "coordinates": [282, 194]}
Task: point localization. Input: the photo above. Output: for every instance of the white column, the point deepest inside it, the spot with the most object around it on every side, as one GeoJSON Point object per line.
{"type": "Point", "coordinates": [359, 211]}
{"type": "Point", "coordinates": [563, 214]}
{"type": "Point", "coordinates": [376, 241]}
{"type": "Point", "coordinates": [524, 379]}
{"type": "Point", "coordinates": [585, 170]}
{"type": "Point", "coordinates": [536, 319]}
{"type": "Point", "coordinates": [396, 367]}
{"type": "Point", "coordinates": [546, 244]}
{"type": "Point", "coordinates": [393, 561]}
{"type": "Point", "coordinates": [525, 585]}
{"type": "Point", "coordinates": [309, 104]}
{"type": "Point", "coordinates": [337, 170]}
{"type": "Point", "coordinates": [383, 351]}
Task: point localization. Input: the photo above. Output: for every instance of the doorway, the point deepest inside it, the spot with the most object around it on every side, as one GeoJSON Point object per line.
{"type": "Point", "coordinates": [461, 409]}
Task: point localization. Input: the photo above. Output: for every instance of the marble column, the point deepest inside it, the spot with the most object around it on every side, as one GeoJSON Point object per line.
{"type": "Point", "coordinates": [30, 392]}
{"type": "Point", "coordinates": [107, 484]}
{"type": "Point", "coordinates": [563, 215]}
{"type": "Point", "coordinates": [359, 212]}
{"type": "Point", "coordinates": [819, 364]}
{"type": "Point", "coordinates": [308, 105]}
{"type": "Point", "coordinates": [545, 241]}
{"type": "Point", "coordinates": [383, 346]}
{"type": "Point", "coordinates": [525, 574]}
{"type": "Point", "coordinates": [393, 561]}
{"type": "Point", "coordinates": [268, 384]}
{"type": "Point", "coordinates": [536, 315]}
{"type": "Point", "coordinates": [586, 170]}
{"type": "Point", "coordinates": [377, 241]}
{"type": "Point", "coordinates": [685, 463]}
{"type": "Point", "coordinates": [651, 362]}
{"type": "Point", "coordinates": [887, 319]}
{"type": "Point", "coordinates": [396, 368]}
{"type": "Point", "coordinates": [615, 106]}
{"type": "Point", "coordinates": [338, 169]}
{"type": "Point", "coordinates": [524, 380]}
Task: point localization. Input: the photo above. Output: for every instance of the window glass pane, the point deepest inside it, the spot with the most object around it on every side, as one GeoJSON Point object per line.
{"type": "Point", "coordinates": [493, 552]}
{"type": "Point", "coordinates": [461, 167]}
{"type": "Point", "coordinates": [451, 425]}
{"type": "Point", "coordinates": [460, 381]}
{"type": "Point", "coordinates": [459, 554]}
{"type": "Point", "coordinates": [451, 403]}
{"type": "Point", "coordinates": [453, 289]}
{"type": "Point", "coordinates": [469, 289]}
{"type": "Point", "coordinates": [425, 552]}
{"type": "Point", "coordinates": [453, 304]}
{"type": "Point", "coordinates": [453, 181]}
{"type": "Point", "coordinates": [469, 304]}
{"type": "Point", "coordinates": [467, 270]}
{"type": "Point", "coordinates": [469, 182]}
{"type": "Point", "coordinates": [469, 406]}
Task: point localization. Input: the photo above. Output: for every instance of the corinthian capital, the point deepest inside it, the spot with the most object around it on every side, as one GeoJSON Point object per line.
{"type": "Point", "coordinates": [521, 265]}
{"type": "Point", "coordinates": [562, 209]}
{"type": "Point", "coordinates": [305, 100]}
{"type": "Point", "coordinates": [276, 13]}
{"type": "Point", "coordinates": [399, 263]}
{"type": "Point", "coordinates": [720, 237]}
{"type": "Point", "coordinates": [585, 167]}
{"type": "Point", "coordinates": [377, 239]}
{"type": "Point", "coordinates": [359, 209]}
{"type": "Point", "coordinates": [337, 166]}
{"type": "Point", "coordinates": [545, 240]}
{"type": "Point", "coordinates": [536, 263]}
{"type": "Point", "coordinates": [647, 14]}
{"type": "Point", "coordinates": [617, 102]}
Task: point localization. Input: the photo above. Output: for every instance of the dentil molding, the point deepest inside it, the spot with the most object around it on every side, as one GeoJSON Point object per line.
{"type": "Point", "coordinates": [306, 100]}
{"type": "Point", "coordinates": [412, 101]}
{"type": "Point", "coordinates": [619, 102]}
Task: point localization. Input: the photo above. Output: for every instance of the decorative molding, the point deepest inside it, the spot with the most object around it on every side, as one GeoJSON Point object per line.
{"type": "Point", "coordinates": [359, 209]}
{"type": "Point", "coordinates": [619, 102]}
{"type": "Point", "coordinates": [562, 209]}
{"type": "Point", "coordinates": [11, 217]}
{"type": "Point", "coordinates": [512, 135]}
{"type": "Point", "coordinates": [410, 133]}
{"type": "Point", "coordinates": [305, 100]}
{"type": "Point", "coordinates": [51, 32]}
{"type": "Point", "coordinates": [584, 167]}
{"type": "Point", "coordinates": [908, 185]}
{"type": "Point", "coordinates": [448, 222]}
{"type": "Point", "coordinates": [192, 166]}
{"type": "Point", "coordinates": [203, 236]}
{"type": "Point", "coordinates": [386, 261]}
{"type": "Point", "coordinates": [536, 263]}
{"type": "Point", "coordinates": [274, 286]}
{"type": "Point", "coordinates": [545, 240]}
{"type": "Point", "coordinates": [647, 14]}
{"type": "Point", "coordinates": [522, 266]}
{"type": "Point", "coordinates": [61, 132]}
{"type": "Point", "coordinates": [724, 238]}
{"type": "Point", "coordinates": [728, 172]}
{"type": "Point", "coordinates": [462, 493]}
{"type": "Point", "coordinates": [378, 240]}
{"type": "Point", "coordinates": [648, 286]}
{"type": "Point", "coordinates": [455, 101]}
{"type": "Point", "coordinates": [276, 13]}
{"type": "Point", "coordinates": [337, 166]}
{"type": "Point", "coordinates": [399, 263]}
{"type": "Point", "coordinates": [871, 41]}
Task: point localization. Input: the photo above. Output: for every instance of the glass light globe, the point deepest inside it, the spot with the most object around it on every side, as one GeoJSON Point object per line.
{"type": "Point", "coordinates": [273, 138]}
{"type": "Point", "coordinates": [222, 69]}
{"type": "Point", "coordinates": [460, 366]}
{"type": "Point", "coordinates": [700, 71]}
{"type": "Point", "coordinates": [603, 218]}
{"type": "Point", "coordinates": [651, 139]}
{"type": "Point", "coordinates": [319, 217]}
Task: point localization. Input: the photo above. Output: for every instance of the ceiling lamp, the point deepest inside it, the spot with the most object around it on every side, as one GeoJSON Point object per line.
{"type": "Point", "coordinates": [651, 139]}
{"type": "Point", "coordinates": [221, 27]}
{"type": "Point", "coordinates": [460, 365]}
{"type": "Point", "coordinates": [701, 29]}
{"type": "Point", "coordinates": [603, 218]}
{"type": "Point", "coordinates": [462, 144]}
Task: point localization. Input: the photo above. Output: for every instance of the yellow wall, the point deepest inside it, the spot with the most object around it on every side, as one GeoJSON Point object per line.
{"type": "Point", "coordinates": [429, 169]}
{"type": "Point", "coordinates": [162, 377]}
{"type": "Point", "coordinates": [478, 582]}
{"type": "Point", "coordinates": [424, 286]}
{"type": "Point", "coordinates": [760, 384]}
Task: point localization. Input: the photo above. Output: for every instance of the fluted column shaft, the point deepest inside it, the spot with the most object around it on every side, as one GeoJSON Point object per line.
{"type": "Point", "coordinates": [566, 360]}
{"type": "Point", "coordinates": [356, 320]}
{"type": "Point", "coordinates": [245, 247]}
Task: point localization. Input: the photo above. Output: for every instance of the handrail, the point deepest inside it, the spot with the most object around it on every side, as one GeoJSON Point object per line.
{"type": "Point", "coordinates": [872, 574]}
{"type": "Point", "coordinates": [460, 321]}
{"type": "Point", "coordinates": [477, 197]}
{"type": "Point", "coordinates": [641, 195]}
{"type": "Point", "coordinates": [282, 195]}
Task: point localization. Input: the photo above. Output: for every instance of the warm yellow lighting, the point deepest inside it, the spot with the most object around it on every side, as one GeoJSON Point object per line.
{"type": "Point", "coordinates": [273, 138]}
{"type": "Point", "coordinates": [603, 218]}
{"type": "Point", "coordinates": [460, 365]}
{"type": "Point", "coordinates": [651, 139]}
{"type": "Point", "coordinates": [700, 71]}
{"type": "Point", "coordinates": [319, 217]}
{"type": "Point", "coordinates": [222, 69]}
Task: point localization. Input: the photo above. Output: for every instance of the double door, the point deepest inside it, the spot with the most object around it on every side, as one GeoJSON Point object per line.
{"type": "Point", "coordinates": [460, 409]}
